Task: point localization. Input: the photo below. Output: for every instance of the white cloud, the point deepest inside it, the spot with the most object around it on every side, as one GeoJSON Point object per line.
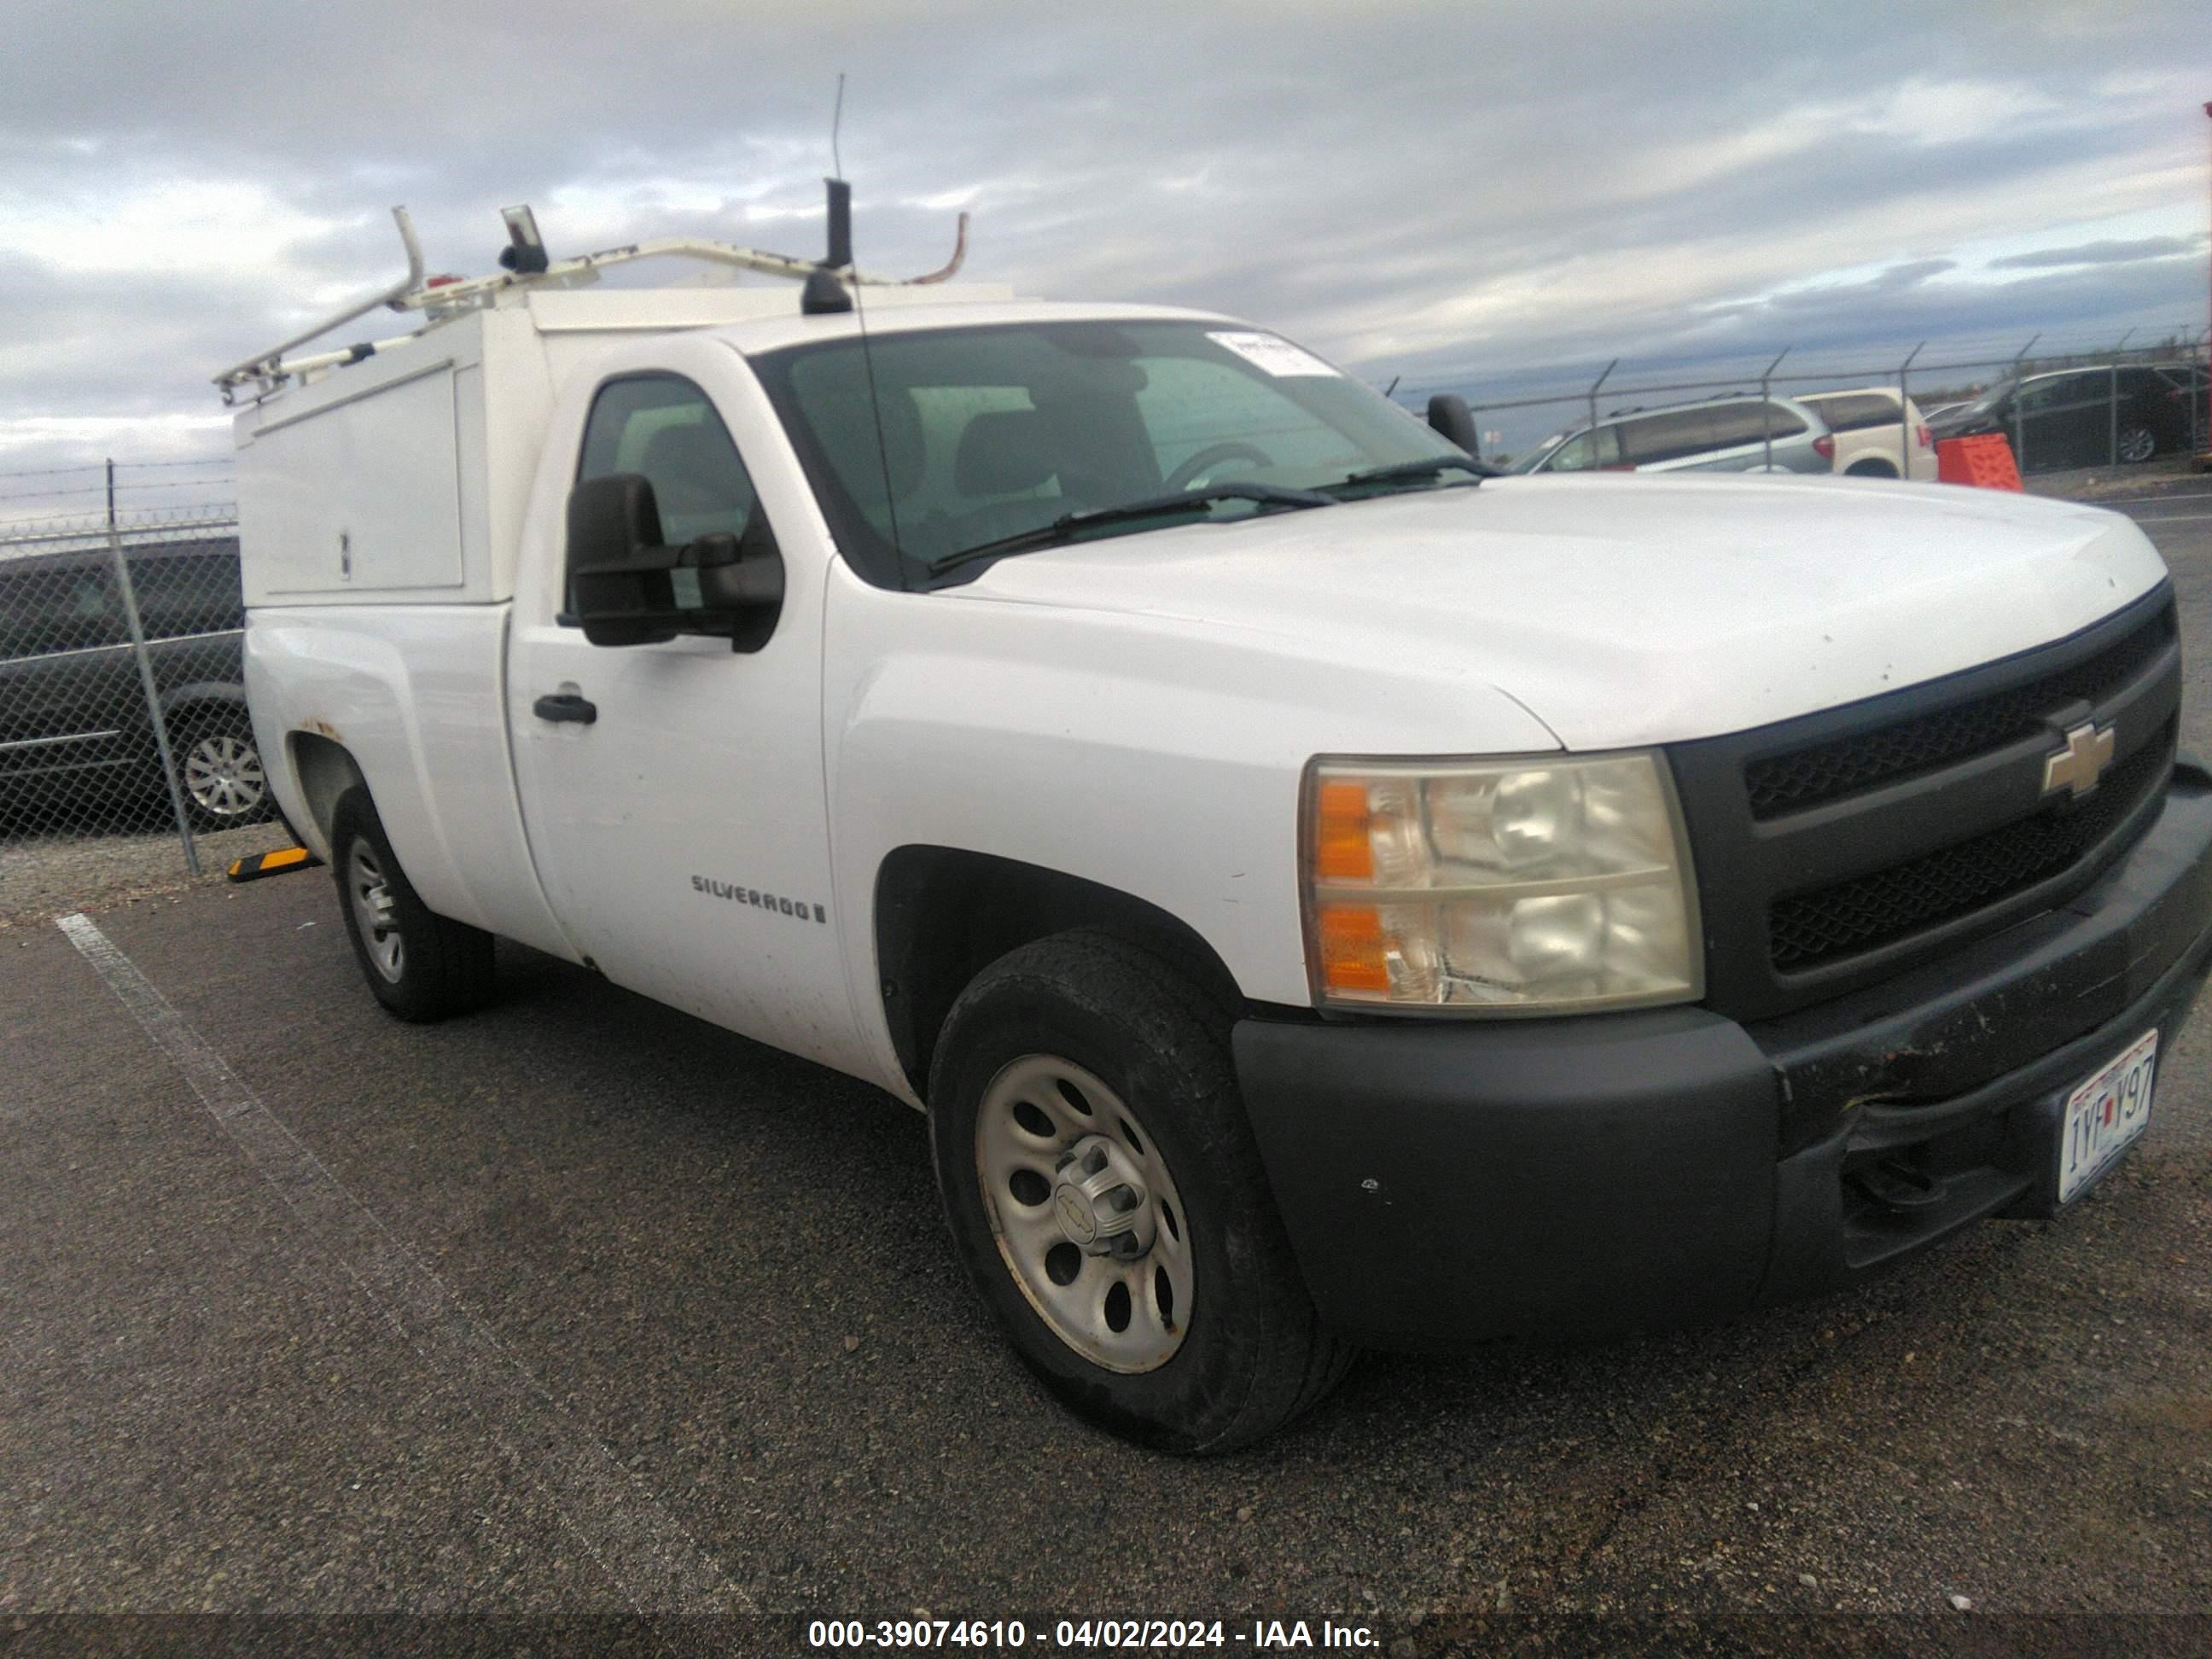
{"type": "Point", "coordinates": [229, 226]}
{"type": "Point", "coordinates": [1503, 185]}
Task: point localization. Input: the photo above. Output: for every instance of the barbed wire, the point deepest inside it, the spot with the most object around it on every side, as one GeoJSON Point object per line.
{"type": "Point", "coordinates": [55, 530]}
{"type": "Point", "coordinates": [101, 490]}
{"type": "Point", "coordinates": [224, 463]}
{"type": "Point", "coordinates": [1801, 362]}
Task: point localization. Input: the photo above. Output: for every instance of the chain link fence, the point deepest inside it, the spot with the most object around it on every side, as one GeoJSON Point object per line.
{"type": "Point", "coordinates": [2092, 404]}
{"type": "Point", "coordinates": [122, 706]}
{"type": "Point", "coordinates": [122, 703]}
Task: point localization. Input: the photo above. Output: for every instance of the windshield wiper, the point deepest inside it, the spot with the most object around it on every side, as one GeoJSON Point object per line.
{"type": "Point", "coordinates": [1069, 525]}
{"type": "Point", "coordinates": [1427, 467]}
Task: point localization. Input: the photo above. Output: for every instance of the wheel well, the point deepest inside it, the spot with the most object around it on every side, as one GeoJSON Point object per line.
{"type": "Point", "coordinates": [325, 771]}
{"type": "Point", "coordinates": [1871, 470]}
{"type": "Point", "coordinates": [944, 915]}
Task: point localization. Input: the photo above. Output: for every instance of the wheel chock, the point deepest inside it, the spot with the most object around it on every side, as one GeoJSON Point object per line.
{"type": "Point", "coordinates": [1984, 461]}
{"type": "Point", "coordinates": [272, 863]}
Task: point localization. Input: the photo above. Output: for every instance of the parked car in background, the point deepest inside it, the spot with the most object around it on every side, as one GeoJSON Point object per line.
{"type": "Point", "coordinates": [2129, 413]}
{"type": "Point", "coordinates": [76, 735]}
{"type": "Point", "coordinates": [1873, 440]}
{"type": "Point", "coordinates": [1723, 435]}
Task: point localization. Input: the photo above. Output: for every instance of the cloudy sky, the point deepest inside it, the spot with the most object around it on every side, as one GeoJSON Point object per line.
{"type": "Point", "coordinates": [1484, 195]}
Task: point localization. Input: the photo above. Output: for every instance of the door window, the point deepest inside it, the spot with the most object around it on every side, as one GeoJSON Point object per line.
{"type": "Point", "coordinates": [2048, 397]}
{"type": "Point", "coordinates": [1737, 424]}
{"type": "Point", "coordinates": [664, 427]}
{"type": "Point", "coordinates": [58, 610]}
{"type": "Point", "coordinates": [1585, 451]}
{"type": "Point", "coordinates": [1667, 436]}
{"type": "Point", "coordinates": [1856, 412]}
{"type": "Point", "coordinates": [185, 593]}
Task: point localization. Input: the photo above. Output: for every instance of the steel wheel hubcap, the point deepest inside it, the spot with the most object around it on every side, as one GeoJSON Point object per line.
{"type": "Point", "coordinates": [222, 774]}
{"type": "Point", "coordinates": [1085, 1213]}
{"type": "Point", "coordinates": [370, 891]}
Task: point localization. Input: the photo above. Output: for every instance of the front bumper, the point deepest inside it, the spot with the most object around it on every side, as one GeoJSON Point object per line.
{"type": "Point", "coordinates": [1445, 1183]}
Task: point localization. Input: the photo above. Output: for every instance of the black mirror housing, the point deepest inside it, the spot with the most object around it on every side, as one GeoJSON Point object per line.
{"type": "Point", "coordinates": [618, 586]}
{"type": "Point", "coordinates": [626, 587]}
{"type": "Point", "coordinates": [1449, 417]}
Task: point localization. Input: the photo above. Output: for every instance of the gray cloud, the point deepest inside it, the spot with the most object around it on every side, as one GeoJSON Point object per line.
{"type": "Point", "coordinates": [1450, 188]}
{"type": "Point", "coordinates": [2100, 254]}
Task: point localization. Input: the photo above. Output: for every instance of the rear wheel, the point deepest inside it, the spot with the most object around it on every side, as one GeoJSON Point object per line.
{"type": "Point", "coordinates": [1106, 1199]}
{"type": "Point", "coordinates": [421, 966]}
{"type": "Point", "coordinates": [220, 768]}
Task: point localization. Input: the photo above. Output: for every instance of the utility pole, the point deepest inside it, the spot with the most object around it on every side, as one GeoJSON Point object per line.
{"type": "Point", "coordinates": [2204, 456]}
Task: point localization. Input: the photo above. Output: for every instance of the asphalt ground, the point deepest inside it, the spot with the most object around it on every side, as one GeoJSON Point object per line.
{"type": "Point", "coordinates": [581, 1308]}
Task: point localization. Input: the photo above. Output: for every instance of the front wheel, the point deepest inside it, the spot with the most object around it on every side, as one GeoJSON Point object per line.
{"type": "Point", "coordinates": [420, 965]}
{"type": "Point", "coordinates": [2137, 444]}
{"type": "Point", "coordinates": [1105, 1195]}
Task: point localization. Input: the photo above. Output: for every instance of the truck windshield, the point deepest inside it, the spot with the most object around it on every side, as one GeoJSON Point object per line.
{"type": "Point", "coordinates": [976, 436]}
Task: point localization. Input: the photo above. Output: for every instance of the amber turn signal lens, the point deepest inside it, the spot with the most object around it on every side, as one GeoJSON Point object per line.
{"type": "Point", "coordinates": [1341, 849]}
{"type": "Point", "coordinates": [1351, 949]}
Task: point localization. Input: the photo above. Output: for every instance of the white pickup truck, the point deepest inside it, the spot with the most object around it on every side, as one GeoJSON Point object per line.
{"type": "Point", "coordinates": [1321, 895]}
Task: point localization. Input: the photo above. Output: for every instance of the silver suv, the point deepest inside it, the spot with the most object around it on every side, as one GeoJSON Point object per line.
{"type": "Point", "coordinates": [1726, 435]}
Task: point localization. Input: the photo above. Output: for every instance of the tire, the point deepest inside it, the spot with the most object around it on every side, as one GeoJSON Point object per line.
{"type": "Point", "coordinates": [1081, 1062]}
{"type": "Point", "coordinates": [219, 768]}
{"type": "Point", "coordinates": [1871, 470]}
{"type": "Point", "coordinates": [421, 966]}
{"type": "Point", "coordinates": [2137, 444]}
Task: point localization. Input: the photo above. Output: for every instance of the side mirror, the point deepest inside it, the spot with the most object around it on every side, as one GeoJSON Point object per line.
{"type": "Point", "coordinates": [618, 587]}
{"type": "Point", "coordinates": [1450, 418]}
{"type": "Point", "coordinates": [626, 587]}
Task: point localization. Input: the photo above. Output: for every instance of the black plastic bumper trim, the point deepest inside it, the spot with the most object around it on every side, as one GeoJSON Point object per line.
{"type": "Point", "coordinates": [1444, 1184]}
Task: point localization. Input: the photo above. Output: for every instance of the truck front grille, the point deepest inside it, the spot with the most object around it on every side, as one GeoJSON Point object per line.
{"type": "Point", "coordinates": [1840, 848]}
{"type": "Point", "coordinates": [1821, 772]}
{"type": "Point", "coordinates": [1890, 904]}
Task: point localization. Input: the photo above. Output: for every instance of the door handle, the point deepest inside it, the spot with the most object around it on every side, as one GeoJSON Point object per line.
{"type": "Point", "coordinates": [565, 706]}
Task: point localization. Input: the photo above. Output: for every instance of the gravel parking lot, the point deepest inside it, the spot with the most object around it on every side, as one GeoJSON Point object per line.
{"type": "Point", "coordinates": [579, 1307]}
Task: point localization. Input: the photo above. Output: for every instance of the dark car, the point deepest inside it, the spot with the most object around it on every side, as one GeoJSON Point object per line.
{"type": "Point", "coordinates": [76, 735]}
{"type": "Point", "coordinates": [2086, 417]}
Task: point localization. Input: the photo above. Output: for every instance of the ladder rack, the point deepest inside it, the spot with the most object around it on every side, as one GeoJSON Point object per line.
{"type": "Point", "coordinates": [439, 298]}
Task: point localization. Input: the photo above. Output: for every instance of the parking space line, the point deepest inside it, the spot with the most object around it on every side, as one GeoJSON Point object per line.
{"type": "Point", "coordinates": [2171, 518]}
{"type": "Point", "coordinates": [658, 1566]}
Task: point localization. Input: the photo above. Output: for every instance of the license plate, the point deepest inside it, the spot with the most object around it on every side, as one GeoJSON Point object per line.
{"type": "Point", "coordinates": [2105, 1116]}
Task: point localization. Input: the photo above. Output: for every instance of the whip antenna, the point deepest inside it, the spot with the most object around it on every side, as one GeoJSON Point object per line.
{"type": "Point", "coordinates": [839, 257]}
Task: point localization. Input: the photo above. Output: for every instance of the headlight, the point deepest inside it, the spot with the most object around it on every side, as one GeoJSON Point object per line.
{"type": "Point", "coordinates": [1532, 885]}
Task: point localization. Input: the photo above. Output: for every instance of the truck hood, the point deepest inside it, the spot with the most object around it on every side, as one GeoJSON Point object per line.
{"type": "Point", "coordinates": [1623, 610]}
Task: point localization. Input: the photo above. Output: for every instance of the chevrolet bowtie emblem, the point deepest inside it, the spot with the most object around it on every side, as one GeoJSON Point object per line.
{"type": "Point", "coordinates": [2089, 751]}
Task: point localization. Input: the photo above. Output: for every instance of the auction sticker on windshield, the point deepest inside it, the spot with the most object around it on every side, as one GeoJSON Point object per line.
{"type": "Point", "coordinates": [2105, 1116]}
{"type": "Point", "coordinates": [1271, 352]}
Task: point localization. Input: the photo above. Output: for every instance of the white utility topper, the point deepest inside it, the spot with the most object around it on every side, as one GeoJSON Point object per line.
{"type": "Point", "coordinates": [1322, 894]}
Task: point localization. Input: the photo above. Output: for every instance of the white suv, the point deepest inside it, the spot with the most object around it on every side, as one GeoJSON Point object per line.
{"type": "Point", "coordinates": [1872, 441]}
{"type": "Point", "coordinates": [1721, 434]}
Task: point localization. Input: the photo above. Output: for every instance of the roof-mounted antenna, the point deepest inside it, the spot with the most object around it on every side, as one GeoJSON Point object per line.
{"type": "Point", "coordinates": [840, 258]}
{"type": "Point", "coordinates": [823, 294]}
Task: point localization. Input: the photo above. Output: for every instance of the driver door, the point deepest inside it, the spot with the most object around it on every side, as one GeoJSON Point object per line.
{"type": "Point", "coordinates": [672, 792]}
